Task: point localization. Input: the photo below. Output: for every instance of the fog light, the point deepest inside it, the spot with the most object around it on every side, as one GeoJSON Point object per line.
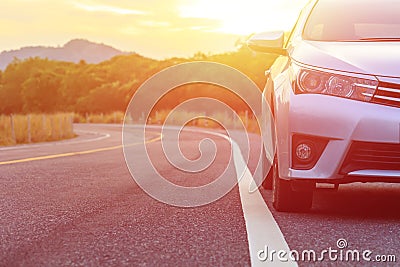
{"type": "Point", "coordinates": [303, 152]}
{"type": "Point", "coordinates": [306, 150]}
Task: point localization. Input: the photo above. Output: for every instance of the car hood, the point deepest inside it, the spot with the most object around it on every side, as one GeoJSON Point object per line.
{"type": "Point", "coordinates": [375, 58]}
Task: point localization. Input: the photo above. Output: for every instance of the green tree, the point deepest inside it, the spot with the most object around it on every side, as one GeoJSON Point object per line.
{"type": "Point", "coordinates": [42, 85]}
{"type": "Point", "coordinates": [10, 91]}
{"type": "Point", "coordinates": [41, 92]}
{"type": "Point", "coordinates": [78, 82]}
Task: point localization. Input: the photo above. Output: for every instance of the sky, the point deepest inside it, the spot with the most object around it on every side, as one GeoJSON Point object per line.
{"type": "Point", "coordinates": [154, 28]}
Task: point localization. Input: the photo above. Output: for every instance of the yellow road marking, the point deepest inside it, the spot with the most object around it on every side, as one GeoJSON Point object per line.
{"type": "Point", "coordinates": [76, 153]}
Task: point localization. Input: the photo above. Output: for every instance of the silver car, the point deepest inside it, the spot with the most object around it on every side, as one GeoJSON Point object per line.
{"type": "Point", "coordinates": [334, 92]}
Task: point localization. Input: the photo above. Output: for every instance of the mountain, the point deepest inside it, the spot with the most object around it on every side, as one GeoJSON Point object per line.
{"type": "Point", "coordinates": [73, 51]}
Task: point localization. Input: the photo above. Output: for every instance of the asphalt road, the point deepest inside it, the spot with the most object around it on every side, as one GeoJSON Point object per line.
{"type": "Point", "coordinates": [74, 203]}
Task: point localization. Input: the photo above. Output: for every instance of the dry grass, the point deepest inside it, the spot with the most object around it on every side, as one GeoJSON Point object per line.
{"type": "Point", "coordinates": [115, 117]}
{"type": "Point", "coordinates": [42, 128]}
{"type": "Point", "coordinates": [214, 121]}
{"type": "Point", "coordinates": [59, 126]}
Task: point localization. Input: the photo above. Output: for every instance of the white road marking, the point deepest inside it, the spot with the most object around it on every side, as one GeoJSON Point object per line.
{"type": "Point", "coordinates": [262, 229]}
{"type": "Point", "coordinates": [60, 142]}
{"type": "Point", "coordinates": [70, 154]}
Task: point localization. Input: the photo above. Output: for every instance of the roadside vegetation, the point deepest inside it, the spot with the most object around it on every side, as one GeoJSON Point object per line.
{"type": "Point", "coordinates": [180, 118]}
{"type": "Point", "coordinates": [100, 93]}
{"type": "Point", "coordinates": [32, 128]}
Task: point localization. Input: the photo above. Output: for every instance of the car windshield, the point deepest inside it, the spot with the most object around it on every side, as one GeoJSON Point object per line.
{"type": "Point", "coordinates": [354, 20]}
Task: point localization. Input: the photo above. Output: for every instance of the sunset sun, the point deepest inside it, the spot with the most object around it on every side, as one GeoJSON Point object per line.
{"type": "Point", "coordinates": [237, 18]}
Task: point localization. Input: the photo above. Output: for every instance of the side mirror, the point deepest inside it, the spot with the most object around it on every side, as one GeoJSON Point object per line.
{"type": "Point", "coordinates": [268, 42]}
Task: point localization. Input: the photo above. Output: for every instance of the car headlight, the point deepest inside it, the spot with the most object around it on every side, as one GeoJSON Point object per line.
{"type": "Point", "coordinates": [319, 81]}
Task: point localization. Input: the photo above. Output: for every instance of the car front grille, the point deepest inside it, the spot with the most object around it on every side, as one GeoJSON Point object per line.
{"type": "Point", "coordinates": [372, 156]}
{"type": "Point", "coordinates": [387, 94]}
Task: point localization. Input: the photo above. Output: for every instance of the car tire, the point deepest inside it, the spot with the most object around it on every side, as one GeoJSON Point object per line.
{"type": "Point", "coordinates": [267, 182]}
{"type": "Point", "coordinates": [284, 198]}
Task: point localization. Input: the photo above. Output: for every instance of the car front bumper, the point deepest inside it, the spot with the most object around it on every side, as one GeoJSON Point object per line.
{"type": "Point", "coordinates": [344, 123]}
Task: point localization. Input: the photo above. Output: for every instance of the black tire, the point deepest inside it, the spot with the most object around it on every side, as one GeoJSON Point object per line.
{"type": "Point", "coordinates": [268, 172]}
{"type": "Point", "coordinates": [285, 199]}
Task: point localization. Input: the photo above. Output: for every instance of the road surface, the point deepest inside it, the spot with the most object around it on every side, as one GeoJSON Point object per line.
{"type": "Point", "coordinates": [74, 203]}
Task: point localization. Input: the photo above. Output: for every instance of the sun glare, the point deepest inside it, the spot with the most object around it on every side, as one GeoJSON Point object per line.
{"type": "Point", "coordinates": [253, 16]}
{"type": "Point", "coordinates": [155, 28]}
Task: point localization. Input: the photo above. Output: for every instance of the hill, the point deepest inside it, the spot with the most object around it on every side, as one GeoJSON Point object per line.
{"type": "Point", "coordinates": [73, 51]}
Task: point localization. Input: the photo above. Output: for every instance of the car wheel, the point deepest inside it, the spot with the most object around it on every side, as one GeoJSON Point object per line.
{"type": "Point", "coordinates": [284, 198]}
{"type": "Point", "coordinates": [267, 183]}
